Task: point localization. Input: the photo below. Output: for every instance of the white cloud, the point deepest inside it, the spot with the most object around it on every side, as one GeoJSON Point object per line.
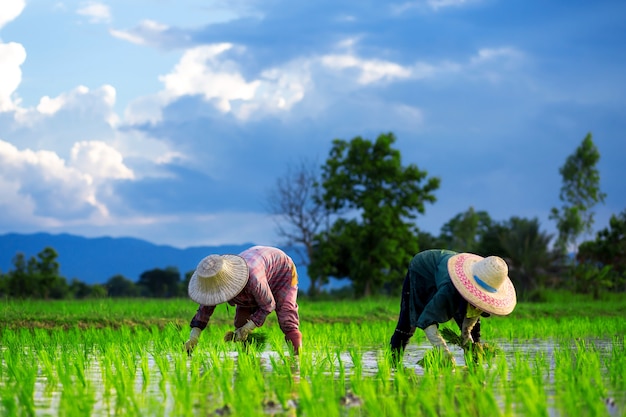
{"type": "Point", "coordinates": [70, 153]}
{"type": "Point", "coordinates": [99, 160]}
{"type": "Point", "coordinates": [96, 12]}
{"type": "Point", "coordinates": [374, 71]}
{"type": "Point", "coordinates": [370, 71]}
{"type": "Point", "coordinates": [99, 102]}
{"type": "Point", "coordinates": [279, 89]}
{"type": "Point", "coordinates": [488, 62]}
{"type": "Point", "coordinates": [154, 26]}
{"type": "Point", "coordinates": [440, 4]}
{"type": "Point", "coordinates": [492, 54]}
{"type": "Point", "coordinates": [493, 63]}
{"type": "Point", "coordinates": [201, 72]}
{"type": "Point", "coordinates": [128, 36]}
{"type": "Point", "coordinates": [145, 109]}
{"type": "Point", "coordinates": [435, 5]}
{"type": "Point", "coordinates": [12, 55]}
{"type": "Point", "coordinates": [81, 127]}
{"type": "Point", "coordinates": [212, 73]}
{"type": "Point", "coordinates": [40, 188]}
{"type": "Point", "coordinates": [9, 10]}
{"type": "Point", "coordinates": [52, 188]}
{"type": "Point", "coordinates": [206, 72]}
{"type": "Point", "coordinates": [41, 191]}
{"type": "Point", "coordinates": [148, 32]}
{"type": "Point", "coordinates": [410, 117]}
{"type": "Point", "coordinates": [49, 105]}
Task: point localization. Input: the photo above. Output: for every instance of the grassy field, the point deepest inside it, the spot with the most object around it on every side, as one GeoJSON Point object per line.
{"type": "Point", "coordinates": [114, 313]}
{"type": "Point", "coordinates": [562, 357]}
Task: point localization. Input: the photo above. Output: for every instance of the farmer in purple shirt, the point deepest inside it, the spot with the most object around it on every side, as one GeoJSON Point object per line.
{"type": "Point", "coordinates": [259, 280]}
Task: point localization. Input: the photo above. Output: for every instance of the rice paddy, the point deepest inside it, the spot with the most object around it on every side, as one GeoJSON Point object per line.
{"type": "Point", "coordinates": [110, 358]}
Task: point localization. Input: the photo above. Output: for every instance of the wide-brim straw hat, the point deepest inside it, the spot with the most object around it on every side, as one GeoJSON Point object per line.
{"type": "Point", "coordinates": [483, 282]}
{"type": "Point", "coordinates": [217, 279]}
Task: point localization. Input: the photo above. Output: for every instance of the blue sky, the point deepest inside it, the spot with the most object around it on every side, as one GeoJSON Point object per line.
{"type": "Point", "coordinates": [170, 121]}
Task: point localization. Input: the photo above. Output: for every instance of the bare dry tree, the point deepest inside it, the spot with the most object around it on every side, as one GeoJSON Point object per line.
{"type": "Point", "coordinates": [299, 212]}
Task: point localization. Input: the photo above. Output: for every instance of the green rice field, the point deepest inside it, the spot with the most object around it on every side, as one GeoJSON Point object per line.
{"type": "Point", "coordinates": [562, 357]}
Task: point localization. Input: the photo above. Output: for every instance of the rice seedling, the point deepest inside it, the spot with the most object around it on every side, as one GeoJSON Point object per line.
{"type": "Point", "coordinates": [541, 365]}
{"type": "Point", "coordinates": [21, 372]}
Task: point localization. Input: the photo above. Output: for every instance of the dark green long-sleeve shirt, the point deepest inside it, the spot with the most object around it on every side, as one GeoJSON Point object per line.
{"type": "Point", "coordinates": [433, 299]}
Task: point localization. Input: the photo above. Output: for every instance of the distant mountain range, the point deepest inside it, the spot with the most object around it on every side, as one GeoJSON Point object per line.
{"type": "Point", "coordinates": [95, 260]}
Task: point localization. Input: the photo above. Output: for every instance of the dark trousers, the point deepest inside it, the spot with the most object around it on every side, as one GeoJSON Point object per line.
{"type": "Point", "coordinates": [404, 331]}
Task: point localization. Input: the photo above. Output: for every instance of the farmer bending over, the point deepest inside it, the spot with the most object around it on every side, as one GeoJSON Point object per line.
{"type": "Point", "coordinates": [259, 280]}
{"type": "Point", "coordinates": [441, 285]}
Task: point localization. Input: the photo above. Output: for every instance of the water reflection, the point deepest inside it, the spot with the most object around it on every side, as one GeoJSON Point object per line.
{"type": "Point", "coordinates": [151, 387]}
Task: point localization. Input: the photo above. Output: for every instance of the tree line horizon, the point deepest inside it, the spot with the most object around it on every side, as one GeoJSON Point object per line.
{"type": "Point", "coordinates": [354, 218]}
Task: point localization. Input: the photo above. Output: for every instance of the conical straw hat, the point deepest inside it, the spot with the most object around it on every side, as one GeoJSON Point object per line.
{"type": "Point", "coordinates": [483, 282]}
{"type": "Point", "coordinates": [217, 279]}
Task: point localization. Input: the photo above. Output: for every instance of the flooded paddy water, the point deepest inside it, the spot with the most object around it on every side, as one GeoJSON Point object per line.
{"type": "Point", "coordinates": [545, 365]}
{"type": "Point", "coordinates": [526, 378]}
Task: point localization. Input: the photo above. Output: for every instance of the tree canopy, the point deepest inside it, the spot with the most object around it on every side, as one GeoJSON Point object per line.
{"type": "Point", "coordinates": [375, 199]}
{"type": "Point", "coordinates": [580, 193]}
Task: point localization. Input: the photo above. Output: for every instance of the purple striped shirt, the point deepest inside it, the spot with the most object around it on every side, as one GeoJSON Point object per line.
{"type": "Point", "coordinates": [272, 285]}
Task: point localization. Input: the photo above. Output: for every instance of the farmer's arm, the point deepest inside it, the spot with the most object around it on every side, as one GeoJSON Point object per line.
{"type": "Point", "coordinates": [201, 319]}
{"type": "Point", "coordinates": [439, 309]}
{"type": "Point", "coordinates": [461, 319]}
{"type": "Point", "coordinates": [285, 293]}
{"type": "Point", "coordinates": [198, 323]}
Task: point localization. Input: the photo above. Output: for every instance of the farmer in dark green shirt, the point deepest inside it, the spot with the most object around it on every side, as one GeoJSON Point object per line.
{"type": "Point", "coordinates": [441, 285]}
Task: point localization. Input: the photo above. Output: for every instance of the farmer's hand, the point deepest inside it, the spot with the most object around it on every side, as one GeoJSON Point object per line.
{"type": "Point", "coordinates": [434, 337]}
{"type": "Point", "coordinates": [241, 333]}
{"type": "Point", "coordinates": [294, 338]}
{"type": "Point", "coordinates": [466, 330]}
{"type": "Point", "coordinates": [193, 339]}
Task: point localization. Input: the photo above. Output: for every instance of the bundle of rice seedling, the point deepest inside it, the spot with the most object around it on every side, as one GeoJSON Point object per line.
{"type": "Point", "coordinates": [253, 338]}
{"type": "Point", "coordinates": [436, 358]}
{"type": "Point", "coordinates": [477, 351]}
{"type": "Point", "coordinates": [451, 336]}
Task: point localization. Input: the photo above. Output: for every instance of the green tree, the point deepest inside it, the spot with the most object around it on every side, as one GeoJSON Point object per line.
{"type": "Point", "coordinates": [580, 192]}
{"type": "Point", "coordinates": [608, 249]}
{"type": "Point", "coordinates": [98, 291]}
{"type": "Point", "coordinates": [334, 250]}
{"type": "Point", "coordinates": [47, 270]}
{"type": "Point", "coordinates": [465, 230]}
{"type": "Point", "coordinates": [120, 286]}
{"type": "Point", "coordinates": [491, 240]}
{"type": "Point", "coordinates": [79, 289]}
{"type": "Point", "coordinates": [160, 283]}
{"type": "Point", "coordinates": [37, 277]}
{"type": "Point", "coordinates": [427, 241]}
{"type": "Point", "coordinates": [526, 248]}
{"type": "Point", "coordinates": [4, 291]}
{"type": "Point", "coordinates": [366, 182]}
{"type": "Point", "coordinates": [21, 280]}
{"type": "Point", "coordinates": [184, 285]}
